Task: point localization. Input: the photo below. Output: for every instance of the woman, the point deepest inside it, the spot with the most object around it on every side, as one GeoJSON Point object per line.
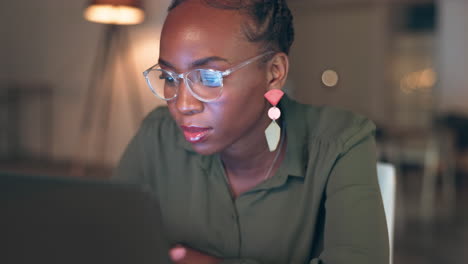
{"type": "Point", "coordinates": [230, 190]}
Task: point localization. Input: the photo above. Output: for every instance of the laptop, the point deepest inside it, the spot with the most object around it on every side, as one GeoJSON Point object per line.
{"type": "Point", "coordinates": [65, 220]}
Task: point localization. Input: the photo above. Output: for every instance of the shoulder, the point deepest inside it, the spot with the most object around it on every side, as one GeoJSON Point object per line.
{"type": "Point", "coordinates": [159, 119]}
{"type": "Point", "coordinates": [157, 115]}
{"type": "Point", "coordinates": [331, 125]}
{"type": "Point", "coordinates": [159, 131]}
{"type": "Point", "coordinates": [345, 127]}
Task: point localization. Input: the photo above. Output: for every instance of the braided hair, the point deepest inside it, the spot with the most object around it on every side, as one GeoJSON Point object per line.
{"type": "Point", "coordinates": [271, 21]}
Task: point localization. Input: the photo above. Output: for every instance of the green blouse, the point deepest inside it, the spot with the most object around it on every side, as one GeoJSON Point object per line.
{"type": "Point", "coordinates": [323, 205]}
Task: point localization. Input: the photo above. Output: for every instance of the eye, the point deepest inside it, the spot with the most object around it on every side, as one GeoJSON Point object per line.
{"type": "Point", "coordinates": [168, 79]}
{"type": "Point", "coordinates": [211, 78]}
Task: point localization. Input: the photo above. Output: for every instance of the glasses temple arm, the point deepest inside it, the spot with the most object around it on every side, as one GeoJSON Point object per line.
{"type": "Point", "coordinates": [245, 63]}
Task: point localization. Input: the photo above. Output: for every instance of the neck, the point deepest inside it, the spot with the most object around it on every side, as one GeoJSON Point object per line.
{"type": "Point", "coordinates": [251, 160]}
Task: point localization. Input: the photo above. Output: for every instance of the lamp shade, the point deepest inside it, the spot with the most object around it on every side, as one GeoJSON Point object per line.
{"type": "Point", "coordinates": [119, 12]}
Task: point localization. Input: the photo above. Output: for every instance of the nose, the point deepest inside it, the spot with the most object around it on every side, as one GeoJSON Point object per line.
{"type": "Point", "coordinates": [186, 103]}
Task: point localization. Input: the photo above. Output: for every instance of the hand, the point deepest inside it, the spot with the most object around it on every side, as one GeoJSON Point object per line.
{"type": "Point", "coordinates": [184, 255]}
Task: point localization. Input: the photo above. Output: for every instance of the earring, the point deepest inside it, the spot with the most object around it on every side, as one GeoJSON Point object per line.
{"type": "Point", "coordinates": [273, 131]}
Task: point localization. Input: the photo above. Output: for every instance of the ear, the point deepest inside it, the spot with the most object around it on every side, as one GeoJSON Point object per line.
{"type": "Point", "coordinates": [277, 71]}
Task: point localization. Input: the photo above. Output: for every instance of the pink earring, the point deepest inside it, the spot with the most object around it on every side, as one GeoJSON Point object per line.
{"type": "Point", "coordinates": [273, 131]}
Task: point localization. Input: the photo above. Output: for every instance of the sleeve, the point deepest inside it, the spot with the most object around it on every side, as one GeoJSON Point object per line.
{"type": "Point", "coordinates": [355, 229]}
{"type": "Point", "coordinates": [130, 166]}
{"type": "Point", "coordinates": [130, 169]}
{"type": "Point", "coordinates": [141, 161]}
{"type": "Point", "coordinates": [133, 166]}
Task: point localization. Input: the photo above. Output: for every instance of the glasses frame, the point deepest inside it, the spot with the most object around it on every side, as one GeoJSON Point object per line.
{"type": "Point", "coordinates": [186, 81]}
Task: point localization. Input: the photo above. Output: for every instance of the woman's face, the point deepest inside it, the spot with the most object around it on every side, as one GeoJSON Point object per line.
{"type": "Point", "coordinates": [196, 36]}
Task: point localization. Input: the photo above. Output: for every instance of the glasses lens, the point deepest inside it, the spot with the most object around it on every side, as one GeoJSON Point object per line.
{"type": "Point", "coordinates": [207, 84]}
{"type": "Point", "coordinates": [162, 83]}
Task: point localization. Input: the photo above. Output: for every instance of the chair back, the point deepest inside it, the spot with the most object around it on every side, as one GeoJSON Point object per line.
{"type": "Point", "coordinates": [387, 182]}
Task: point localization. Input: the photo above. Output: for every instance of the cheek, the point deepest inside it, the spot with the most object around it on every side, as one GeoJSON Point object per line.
{"type": "Point", "coordinates": [238, 107]}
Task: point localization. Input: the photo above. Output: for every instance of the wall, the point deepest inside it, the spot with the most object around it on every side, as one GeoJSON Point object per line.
{"type": "Point", "coordinates": [350, 39]}
{"type": "Point", "coordinates": [453, 56]}
{"type": "Point", "coordinates": [355, 38]}
{"type": "Point", "coordinates": [50, 42]}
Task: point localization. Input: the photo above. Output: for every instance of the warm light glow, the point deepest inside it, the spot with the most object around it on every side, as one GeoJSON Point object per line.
{"type": "Point", "coordinates": [428, 78]}
{"type": "Point", "coordinates": [419, 80]}
{"type": "Point", "coordinates": [330, 78]}
{"type": "Point", "coordinates": [114, 14]}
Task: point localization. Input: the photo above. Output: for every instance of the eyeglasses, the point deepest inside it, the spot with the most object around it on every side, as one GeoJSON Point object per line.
{"type": "Point", "coordinates": [204, 84]}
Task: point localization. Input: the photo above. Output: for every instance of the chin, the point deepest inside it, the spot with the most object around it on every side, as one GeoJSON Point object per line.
{"type": "Point", "coordinates": [204, 149]}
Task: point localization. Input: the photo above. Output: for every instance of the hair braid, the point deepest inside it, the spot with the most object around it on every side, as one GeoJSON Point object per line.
{"type": "Point", "coordinates": [270, 22]}
{"type": "Point", "coordinates": [282, 25]}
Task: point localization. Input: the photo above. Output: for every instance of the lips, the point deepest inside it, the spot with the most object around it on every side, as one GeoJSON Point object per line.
{"type": "Point", "coordinates": [195, 134]}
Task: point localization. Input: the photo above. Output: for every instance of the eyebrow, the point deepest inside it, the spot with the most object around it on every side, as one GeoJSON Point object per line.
{"type": "Point", "coordinates": [197, 63]}
{"type": "Point", "coordinates": [204, 61]}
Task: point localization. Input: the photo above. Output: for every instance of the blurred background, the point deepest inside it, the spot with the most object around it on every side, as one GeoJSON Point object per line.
{"type": "Point", "coordinates": [72, 95]}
